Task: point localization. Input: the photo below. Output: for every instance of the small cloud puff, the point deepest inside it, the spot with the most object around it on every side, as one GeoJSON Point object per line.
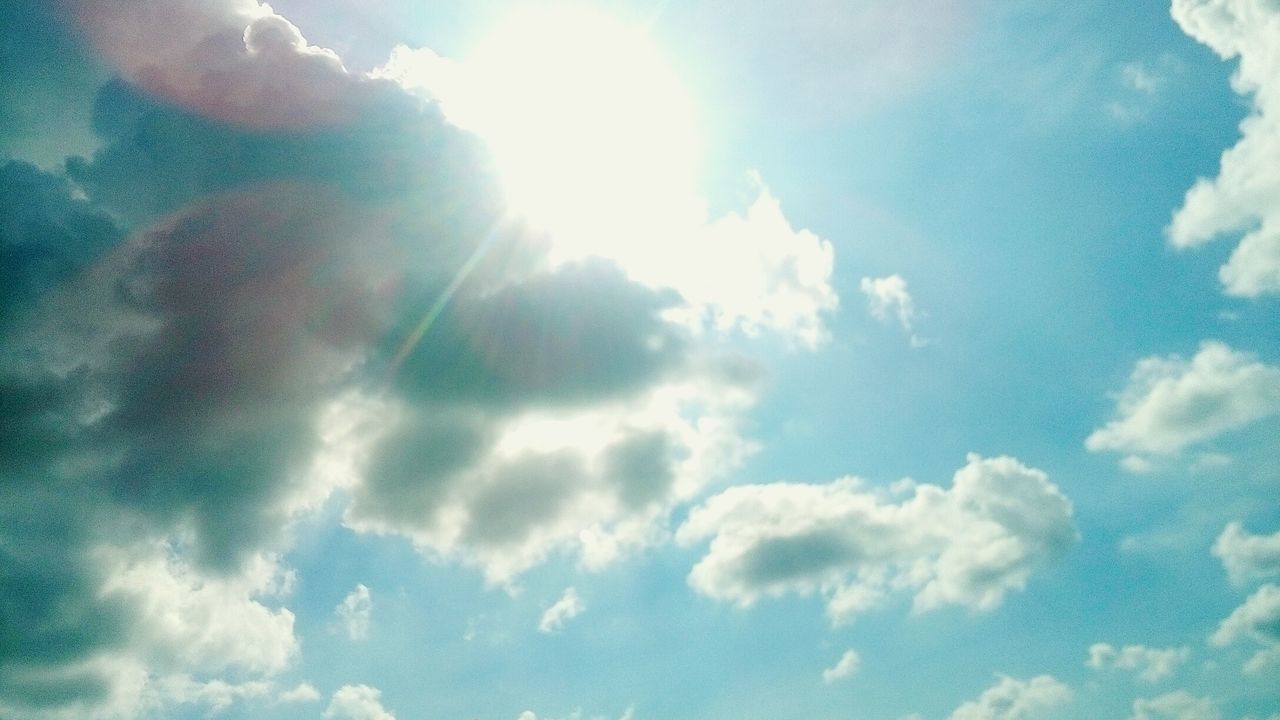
{"type": "Point", "coordinates": [565, 609]}
{"type": "Point", "coordinates": [1013, 699]}
{"type": "Point", "coordinates": [352, 616]}
{"type": "Point", "coordinates": [1178, 705]}
{"type": "Point", "coordinates": [1257, 619]}
{"type": "Point", "coordinates": [357, 702]}
{"type": "Point", "coordinates": [1247, 557]}
{"type": "Point", "coordinates": [888, 299]}
{"type": "Point", "coordinates": [1150, 664]}
{"type": "Point", "coordinates": [846, 666]}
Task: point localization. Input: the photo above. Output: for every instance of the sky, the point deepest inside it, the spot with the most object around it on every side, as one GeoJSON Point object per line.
{"type": "Point", "coordinates": [640, 360]}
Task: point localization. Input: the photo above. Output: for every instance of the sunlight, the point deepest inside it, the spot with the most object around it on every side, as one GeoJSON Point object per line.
{"type": "Point", "coordinates": [594, 136]}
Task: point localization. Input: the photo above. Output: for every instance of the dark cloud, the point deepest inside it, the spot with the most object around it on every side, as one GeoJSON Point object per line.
{"type": "Point", "coordinates": [46, 235]}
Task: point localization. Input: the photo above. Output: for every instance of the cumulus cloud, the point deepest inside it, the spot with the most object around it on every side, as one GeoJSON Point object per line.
{"type": "Point", "coordinates": [1013, 699]}
{"type": "Point", "coordinates": [1257, 619]}
{"type": "Point", "coordinates": [1150, 664]}
{"type": "Point", "coordinates": [969, 544]}
{"type": "Point", "coordinates": [301, 693]}
{"type": "Point", "coordinates": [1247, 557]}
{"type": "Point", "coordinates": [568, 607]}
{"type": "Point", "coordinates": [274, 280]}
{"type": "Point", "coordinates": [888, 300]}
{"type": "Point", "coordinates": [214, 695]}
{"type": "Point", "coordinates": [353, 614]}
{"type": "Point", "coordinates": [356, 702]}
{"type": "Point", "coordinates": [1240, 199]}
{"type": "Point", "coordinates": [1172, 403]}
{"type": "Point", "coordinates": [845, 667]}
{"type": "Point", "coordinates": [1178, 705]}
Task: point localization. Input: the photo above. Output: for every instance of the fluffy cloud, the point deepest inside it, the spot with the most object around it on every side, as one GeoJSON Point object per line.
{"type": "Point", "coordinates": [845, 667]}
{"type": "Point", "coordinates": [356, 702]}
{"type": "Point", "coordinates": [968, 545]}
{"type": "Point", "coordinates": [1178, 705]}
{"type": "Point", "coordinates": [1247, 557]}
{"type": "Point", "coordinates": [888, 299]}
{"type": "Point", "coordinates": [1150, 664]}
{"type": "Point", "coordinates": [1013, 699]}
{"type": "Point", "coordinates": [1241, 198]}
{"type": "Point", "coordinates": [568, 607]}
{"type": "Point", "coordinates": [353, 614]}
{"type": "Point", "coordinates": [1257, 619]}
{"type": "Point", "coordinates": [301, 693]}
{"type": "Point", "coordinates": [1171, 403]}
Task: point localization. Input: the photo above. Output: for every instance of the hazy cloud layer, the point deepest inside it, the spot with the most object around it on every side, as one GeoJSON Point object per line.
{"type": "Point", "coordinates": [1241, 199]}
{"type": "Point", "coordinates": [969, 544]}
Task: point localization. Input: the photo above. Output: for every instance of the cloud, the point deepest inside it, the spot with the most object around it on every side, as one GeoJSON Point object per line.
{"type": "Point", "coordinates": [301, 693]}
{"type": "Point", "coordinates": [356, 702]}
{"type": "Point", "coordinates": [46, 235]}
{"type": "Point", "coordinates": [275, 282]}
{"type": "Point", "coordinates": [1239, 201]}
{"type": "Point", "coordinates": [1150, 664]}
{"type": "Point", "coordinates": [352, 615]}
{"type": "Point", "coordinates": [1013, 699]}
{"type": "Point", "coordinates": [568, 607]}
{"type": "Point", "coordinates": [1178, 705]}
{"type": "Point", "coordinates": [845, 667]}
{"type": "Point", "coordinates": [968, 545]}
{"type": "Point", "coordinates": [1257, 619]}
{"type": "Point", "coordinates": [1141, 82]}
{"type": "Point", "coordinates": [215, 695]}
{"type": "Point", "coordinates": [1171, 403]}
{"type": "Point", "coordinates": [888, 299]}
{"type": "Point", "coordinates": [1247, 557]}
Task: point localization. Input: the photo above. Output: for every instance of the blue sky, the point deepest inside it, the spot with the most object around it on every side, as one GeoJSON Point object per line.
{"type": "Point", "coordinates": [514, 361]}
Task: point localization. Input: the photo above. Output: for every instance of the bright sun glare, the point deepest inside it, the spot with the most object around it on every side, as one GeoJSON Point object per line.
{"type": "Point", "coordinates": [592, 131]}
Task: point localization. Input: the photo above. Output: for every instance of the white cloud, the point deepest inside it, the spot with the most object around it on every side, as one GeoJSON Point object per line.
{"type": "Point", "coordinates": [1012, 699]}
{"type": "Point", "coordinates": [889, 300]}
{"type": "Point", "coordinates": [1257, 619]}
{"type": "Point", "coordinates": [352, 616]}
{"type": "Point", "coordinates": [1247, 557]}
{"type": "Point", "coordinates": [302, 693]}
{"type": "Point", "coordinates": [202, 621]}
{"type": "Point", "coordinates": [1241, 199]}
{"type": "Point", "coordinates": [845, 667]}
{"type": "Point", "coordinates": [967, 545]}
{"type": "Point", "coordinates": [1178, 705]}
{"type": "Point", "coordinates": [216, 695]}
{"type": "Point", "coordinates": [357, 702]}
{"type": "Point", "coordinates": [569, 606]}
{"type": "Point", "coordinates": [1150, 664]}
{"type": "Point", "coordinates": [1171, 403]}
